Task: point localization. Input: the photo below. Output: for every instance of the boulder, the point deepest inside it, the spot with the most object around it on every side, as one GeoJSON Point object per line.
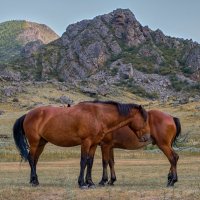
{"type": "Point", "coordinates": [65, 100]}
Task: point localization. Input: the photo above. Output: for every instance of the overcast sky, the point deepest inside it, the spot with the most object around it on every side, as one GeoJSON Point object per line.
{"type": "Point", "coordinates": [178, 18]}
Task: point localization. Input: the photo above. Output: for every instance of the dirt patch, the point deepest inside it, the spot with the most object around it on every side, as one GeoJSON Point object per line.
{"type": "Point", "coordinates": [4, 136]}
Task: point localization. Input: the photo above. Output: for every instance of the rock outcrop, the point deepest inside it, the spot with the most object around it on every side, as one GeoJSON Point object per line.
{"type": "Point", "coordinates": [115, 49]}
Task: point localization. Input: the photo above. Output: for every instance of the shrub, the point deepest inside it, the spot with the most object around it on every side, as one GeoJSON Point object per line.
{"type": "Point", "coordinates": [177, 84]}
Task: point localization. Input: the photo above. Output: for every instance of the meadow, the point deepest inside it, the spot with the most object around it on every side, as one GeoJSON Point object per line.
{"type": "Point", "coordinates": [141, 174]}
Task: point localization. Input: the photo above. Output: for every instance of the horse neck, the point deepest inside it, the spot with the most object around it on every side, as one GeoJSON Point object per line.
{"type": "Point", "coordinates": [112, 120]}
{"type": "Point", "coordinates": [119, 125]}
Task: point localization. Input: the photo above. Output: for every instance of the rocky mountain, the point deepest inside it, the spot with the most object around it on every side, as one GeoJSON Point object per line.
{"type": "Point", "coordinates": [115, 50]}
{"type": "Point", "coordinates": [22, 37]}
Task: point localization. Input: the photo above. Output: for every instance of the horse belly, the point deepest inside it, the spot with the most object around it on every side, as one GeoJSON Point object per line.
{"type": "Point", "coordinates": [63, 140]}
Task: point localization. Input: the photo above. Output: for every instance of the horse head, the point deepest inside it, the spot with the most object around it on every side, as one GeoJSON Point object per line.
{"type": "Point", "coordinates": [139, 124]}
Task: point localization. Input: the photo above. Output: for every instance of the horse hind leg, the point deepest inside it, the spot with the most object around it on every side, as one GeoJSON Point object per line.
{"type": "Point", "coordinates": [112, 169]}
{"type": "Point", "coordinates": [34, 154]}
{"type": "Point", "coordinates": [173, 158]}
{"type": "Point", "coordinates": [172, 176]}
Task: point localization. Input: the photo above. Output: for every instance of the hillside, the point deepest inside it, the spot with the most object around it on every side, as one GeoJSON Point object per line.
{"type": "Point", "coordinates": [115, 50]}
{"type": "Point", "coordinates": [111, 57]}
{"type": "Point", "coordinates": [15, 35]}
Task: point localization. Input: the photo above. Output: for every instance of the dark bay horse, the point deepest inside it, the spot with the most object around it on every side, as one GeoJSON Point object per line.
{"type": "Point", "coordinates": [164, 130]}
{"type": "Point", "coordinates": [83, 124]}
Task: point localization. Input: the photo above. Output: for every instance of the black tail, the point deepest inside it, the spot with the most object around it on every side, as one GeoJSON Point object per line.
{"type": "Point", "coordinates": [178, 128]}
{"type": "Point", "coordinates": [20, 138]}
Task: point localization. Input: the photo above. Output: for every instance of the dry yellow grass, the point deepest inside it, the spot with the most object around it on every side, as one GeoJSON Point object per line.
{"type": "Point", "coordinates": [141, 178]}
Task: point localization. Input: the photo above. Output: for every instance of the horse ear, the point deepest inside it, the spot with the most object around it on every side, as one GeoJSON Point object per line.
{"type": "Point", "coordinates": [140, 107]}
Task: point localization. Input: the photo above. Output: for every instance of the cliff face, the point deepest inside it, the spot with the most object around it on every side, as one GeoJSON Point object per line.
{"type": "Point", "coordinates": [88, 45]}
{"type": "Point", "coordinates": [16, 34]}
{"type": "Point", "coordinates": [115, 49]}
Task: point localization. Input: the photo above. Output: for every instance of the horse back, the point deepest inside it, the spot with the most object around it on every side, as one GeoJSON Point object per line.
{"type": "Point", "coordinates": [38, 119]}
{"type": "Point", "coordinates": [62, 126]}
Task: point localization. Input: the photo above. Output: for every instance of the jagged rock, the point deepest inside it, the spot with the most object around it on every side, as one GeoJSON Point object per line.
{"type": "Point", "coordinates": [148, 51]}
{"type": "Point", "coordinates": [151, 83]}
{"type": "Point", "coordinates": [3, 99]}
{"type": "Point", "coordinates": [183, 78]}
{"type": "Point", "coordinates": [15, 99]}
{"type": "Point", "coordinates": [127, 27]}
{"type": "Point", "coordinates": [65, 100]}
{"type": "Point", "coordinates": [193, 61]}
{"type": "Point", "coordinates": [2, 112]}
{"type": "Point", "coordinates": [31, 47]}
{"type": "Point", "coordinates": [183, 100]}
{"type": "Point", "coordinates": [197, 108]}
{"type": "Point", "coordinates": [91, 92]}
{"type": "Point", "coordinates": [160, 37]}
{"type": "Point", "coordinates": [197, 98]}
{"type": "Point", "coordinates": [103, 90]}
{"type": "Point", "coordinates": [124, 71]}
{"type": "Point", "coordinates": [10, 75]}
{"type": "Point", "coordinates": [62, 88]}
{"type": "Point", "coordinates": [9, 91]}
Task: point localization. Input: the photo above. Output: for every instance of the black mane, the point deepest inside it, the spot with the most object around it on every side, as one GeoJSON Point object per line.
{"type": "Point", "coordinates": [124, 109]}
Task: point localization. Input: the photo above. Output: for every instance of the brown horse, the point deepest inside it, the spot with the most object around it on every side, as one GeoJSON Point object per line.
{"type": "Point", "coordinates": [164, 130]}
{"type": "Point", "coordinates": [83, 124]}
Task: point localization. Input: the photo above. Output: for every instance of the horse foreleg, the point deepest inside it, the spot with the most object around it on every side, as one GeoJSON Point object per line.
{"type": "Point", "coordinates": [90, 160]}
{"type": "Point", "coordinates": [173, 158]}
{"type": "Point", "coordinates": [105, 151]}
{"type": "Point", "coordinates": [83, 164]}
{"type": "Point", "coordinates": [85, 147]}
{"type": "Point", "coordinates": [112, 169]}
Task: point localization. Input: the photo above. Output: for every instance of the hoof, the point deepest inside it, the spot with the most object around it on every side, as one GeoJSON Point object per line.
{"type": "Point", "coordinates": [34, 181]}
{"type": "Point", "coordinates": [171, 181]}
{"type": "Point", "coordinates": [34, 184]}
{"type": "Point", "coordinates": [110, 183]}
{"type": "Point", "coordinates": [102, 183]}
{"type": "Point", "coordinates": [83, 187]}
{"type": "Point", "coordinates": [171, 184]}
{"type": "Point", "coordinates": [92, 186]}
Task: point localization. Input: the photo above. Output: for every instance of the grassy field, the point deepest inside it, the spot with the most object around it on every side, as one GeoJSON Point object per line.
{"type": "Point", "coordinates": [141, 174]}
{"type": "Point", "coordinates": [143, 177]}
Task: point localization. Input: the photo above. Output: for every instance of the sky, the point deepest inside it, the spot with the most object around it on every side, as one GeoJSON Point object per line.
{"type": "Point", "coordinates": [176, 18]}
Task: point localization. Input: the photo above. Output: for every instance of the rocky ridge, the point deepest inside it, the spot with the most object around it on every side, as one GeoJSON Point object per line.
{"type": "Point", "coordinates": [115, 49]}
